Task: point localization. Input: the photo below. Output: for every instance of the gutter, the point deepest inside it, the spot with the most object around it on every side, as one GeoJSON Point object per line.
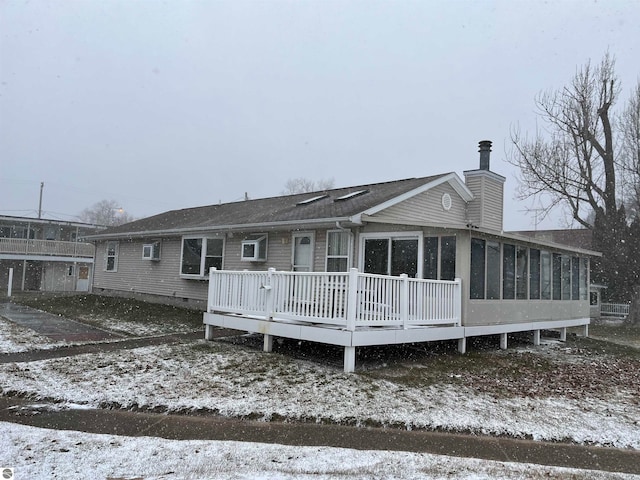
{"type": "Point", "coordinates": [330, 222]}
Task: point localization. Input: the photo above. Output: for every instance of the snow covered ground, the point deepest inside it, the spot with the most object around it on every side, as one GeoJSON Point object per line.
{"type": "Point", "coordinates": [238, 381]}
{"type": "Point", "coordinates": [36, 453]}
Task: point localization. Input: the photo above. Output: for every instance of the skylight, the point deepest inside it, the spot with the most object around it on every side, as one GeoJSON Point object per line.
{"type": "Point", "coordinates": [349, 195]}
{"type": "Point", "coordinates": [312, 199]}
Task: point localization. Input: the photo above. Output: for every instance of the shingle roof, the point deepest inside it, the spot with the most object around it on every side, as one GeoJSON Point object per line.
{"type": "Point", "coordinates": [273, 210]}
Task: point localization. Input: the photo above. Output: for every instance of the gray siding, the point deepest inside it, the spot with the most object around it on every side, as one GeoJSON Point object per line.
{"type": "Point", "coordinates": [426, 208]}
{"type": "Point", "coordinates": [486, 209]}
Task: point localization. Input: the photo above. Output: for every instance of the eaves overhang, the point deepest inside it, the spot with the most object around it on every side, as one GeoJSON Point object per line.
{"type": "Point", "coordinates": [329, 222]}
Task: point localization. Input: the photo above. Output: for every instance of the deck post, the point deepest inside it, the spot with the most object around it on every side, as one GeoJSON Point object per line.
{"type": "Point", "coordinates": [503, 341]}
{"type": "Point", "coordinates": [352, 300]}
{"type": "Point", "coordinates": [457, 304]}
{"type": "Point", "coordinates": [208, 332]}
{"type": "Point", "coordinates": [462, 345]}
{"type": "Point", "coordinates": [268, 343]}
{"type": "Point", "coordinates": [536, 338]}
{"type": "Point", "coordinates": [349, 359]}
{"type": "Point", "coordinates": [585, 331]}
{"type": "Point", "coordinates": [404, 300]}
{"type": "Point", "coordinates": [563, 334]}
{"type": "Point", "coordinates": [268, 314]}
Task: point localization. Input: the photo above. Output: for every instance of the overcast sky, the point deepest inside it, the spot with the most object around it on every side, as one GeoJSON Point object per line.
{"type": "Point", "coordinates": [171, 104]}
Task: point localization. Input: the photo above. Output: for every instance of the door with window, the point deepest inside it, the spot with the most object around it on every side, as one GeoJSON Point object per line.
{"type": "Point", "coordinates": [302, 252]}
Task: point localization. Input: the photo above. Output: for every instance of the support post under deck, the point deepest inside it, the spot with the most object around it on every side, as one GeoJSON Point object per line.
{"type": "Point", "coordinates": [349, 359]}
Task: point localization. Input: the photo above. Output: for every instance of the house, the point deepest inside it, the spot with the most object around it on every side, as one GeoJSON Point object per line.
{"type": "Point", "coordinates": [45, 255]}
{"type": "Point", "coordinates": [411, 260]}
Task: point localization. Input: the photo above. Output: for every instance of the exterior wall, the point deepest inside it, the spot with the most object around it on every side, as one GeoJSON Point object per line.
{"type": "Point", "coordinates": [135, 275]}
{"type": "Point", "coordinates": [427, 208]}
{"type": "Point", "coordinates": [486, 209]}
{"type": "Point", "coordinates": [162, 278]}
{"type": "Point", "coordinates": [500, 312]}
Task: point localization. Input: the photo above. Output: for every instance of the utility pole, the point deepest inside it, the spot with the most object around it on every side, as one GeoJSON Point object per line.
{"type": "Point", "coordinates": [40, 204]}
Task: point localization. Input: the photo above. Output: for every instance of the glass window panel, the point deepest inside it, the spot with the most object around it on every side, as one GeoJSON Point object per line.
{"type": "Point", "coordinates": [430, 269]}
{"type": "Point", "coordinates": [534, 274]}
{"type": "Point", "coordinates": [584, 270]}
{"type": "Point", "coordinates": [522, 273]}
{"type": "Point", "coordinates": [447, 258]}
{"type": "Point", "coordinates": [493, 270]}
{"type": "Point", "coordinates": [337, 265]}
{"type": "Point", "coordinates": [476, 284]}
{"type": "Point", "coordinates": [404, 257]}
{"type": "Point", "coordinates": [508, 272]}
{"type": "Point", "coordinates": [566, 277]}
{"type": "Point", "coordinates": [376, 256]}
{"type": "Point", "coordinates": [575, 278]}
{"type": "Point", "coordinates": [557, 277]}
{"type": "Point", "coordinates": [191, 256]}
{"type": "Point", "coordinates": [545, 275]}
{"type": "Point", "coordinates": [338, 243]}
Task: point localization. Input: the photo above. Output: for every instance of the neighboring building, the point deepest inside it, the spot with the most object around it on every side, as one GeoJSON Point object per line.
{"type": "Point", "coordinates": [45, 255]}
{"type": "Point", "coordinates": [438, 228]}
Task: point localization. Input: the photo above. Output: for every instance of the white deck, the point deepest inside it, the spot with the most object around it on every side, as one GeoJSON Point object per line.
{"type": "Point", "coordinates": [349, 309]}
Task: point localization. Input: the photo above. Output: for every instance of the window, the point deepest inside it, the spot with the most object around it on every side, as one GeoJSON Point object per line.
{"type": "Point", "coordinates": [199, 254]}
{"type": "Point", "coordinates": [584, 272]}
{"type": "Point", "coordinates": [557, 276]}
{"type": "Point", "coordinates": [391, 256]}
{"type": "Point", "coordinates": [338, 251]}
{"type": "Point", "coordinates": [477, 282]}
{"type": "Point", "coordinates": [111, 257]}
{"type": "Point", "coordinates": [485, 269]}
{"type": "Point", "coordinates": [254, 248]}
{"type": "Point", "coordinates": [439, 258]}
{"type": "Point", "coordinates": [566, 277]}
{"type": "Point", "coordinates": [508, 271]}
{"type": "Point", "coordinates": [534, 274]}
{"type": "Point", "coordinates": [151, 251]}
{"type": "Point", "coordinates": [448, 258]}
{"type": "Point", "coordinates": [575, 278]}
{"type": "Point", "coordinates": [493, 271]}
{"type": "Point", "coordinates": [522, 273]}
{"type": "Point", "coordinates": [545, 275]}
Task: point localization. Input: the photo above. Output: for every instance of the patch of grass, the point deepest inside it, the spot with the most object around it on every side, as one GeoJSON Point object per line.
{"type": "Point", "coordinates": [90, 308]}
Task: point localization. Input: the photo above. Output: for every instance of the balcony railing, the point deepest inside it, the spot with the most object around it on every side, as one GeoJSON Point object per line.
{"type": "Point", "coordinates": [348, 300]}
{"type": "Point", "coordinates": [20, 246]}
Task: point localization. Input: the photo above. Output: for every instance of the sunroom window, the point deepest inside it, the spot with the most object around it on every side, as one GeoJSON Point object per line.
{"type": "Point", "coordinates": [199, 254]}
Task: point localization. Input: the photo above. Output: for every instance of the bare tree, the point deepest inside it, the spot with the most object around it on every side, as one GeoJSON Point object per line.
{"type": "Point", "coordinates": [303, 185]}
{"type": "Point", "coordinates": [629, 141]}
{"type": "Point", "coordinates": [105, 212]}
{"type": "Point", "coordinates": [573, 161]}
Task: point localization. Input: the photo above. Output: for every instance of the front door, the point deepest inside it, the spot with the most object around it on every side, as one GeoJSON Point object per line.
{"type": "Point", "coordinates": [82, 284]}
{"type": "Point", "coordinates": [302, 252]}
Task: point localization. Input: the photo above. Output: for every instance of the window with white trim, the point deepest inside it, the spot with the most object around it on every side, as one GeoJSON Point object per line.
{"type": "Point", "coordinates": [199, 254]}
{"type": "Point", "coordinates": [111, 257]}
{"type": "Point", "coordinates": [338, 242]}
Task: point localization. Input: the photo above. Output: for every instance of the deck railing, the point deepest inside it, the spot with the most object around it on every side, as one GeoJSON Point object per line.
{"type": "Point", "coordinates": [348, 300]}
{"type": "Point", "coordinates": [21, 246]}
{"type": "Point", "coordinates": [614, 309]}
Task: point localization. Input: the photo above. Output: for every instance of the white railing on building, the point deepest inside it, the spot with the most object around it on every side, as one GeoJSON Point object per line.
{"type": "Point", "coordinates": [21, 246]}
{"type": "Point", "coordinates": [347, 300]}
{"type": "Point", "coordinates": [614, 309]}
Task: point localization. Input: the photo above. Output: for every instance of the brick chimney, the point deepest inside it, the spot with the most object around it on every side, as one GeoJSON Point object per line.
{"type": "Point", "coordinates": [486, 209]}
